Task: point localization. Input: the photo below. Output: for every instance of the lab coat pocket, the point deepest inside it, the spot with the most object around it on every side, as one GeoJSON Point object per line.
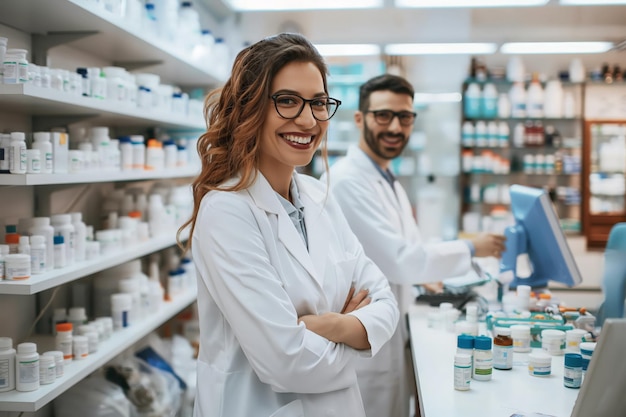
{"type": "Point", "coordinates": [293, 409]}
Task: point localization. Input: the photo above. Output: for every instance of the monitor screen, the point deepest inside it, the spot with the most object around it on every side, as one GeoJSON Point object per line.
{"type": "Point", "coordinates": [536, 249]}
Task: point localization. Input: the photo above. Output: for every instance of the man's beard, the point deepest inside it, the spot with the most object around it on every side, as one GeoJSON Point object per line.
{"type": "Point", "coordinates": [380, 150]}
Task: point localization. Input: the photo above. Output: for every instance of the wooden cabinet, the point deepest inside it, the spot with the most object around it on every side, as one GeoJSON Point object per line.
{"type": "Point", "coordinates": [604, 179]}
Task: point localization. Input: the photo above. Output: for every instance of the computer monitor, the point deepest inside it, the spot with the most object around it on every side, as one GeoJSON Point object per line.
{"type": "Point", "coordinates": [536, 240]}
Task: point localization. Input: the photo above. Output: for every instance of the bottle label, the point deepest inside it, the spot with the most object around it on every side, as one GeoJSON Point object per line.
{"type": "Point", "coordinates": [28, 371]}
{"type": "Point", "coordinates": [502, 357]}
{"type": "Point", "coordinates": [462, 377]}
{"type": "Point", "coordinates": [4, 373]}
{"type": "Point", "coordinates": [483, 367]}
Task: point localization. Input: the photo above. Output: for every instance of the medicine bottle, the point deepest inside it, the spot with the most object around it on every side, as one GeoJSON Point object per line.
{"type": "Point", "coordinates": [483, 359]}
{"type": "Point", "coordinates": [465, 346]}
{"type": "Point", "coordinates": [553, 341]}
{"type": "Point", "coordinates": [7, 364]}
{"type": "Point", "coordinates": [59, 362]}
{"type": "Point", "coordinates": [5, 148]}
{"type": "Point", "coordinates": [573, 338]}
{"type": "Point", "coordinates": [59, 252]}
{"type": "Point", "coordinates": [80, 345]}
{"type": "Point", "coordinates": [24, 245]}
{"type": "Point", "coordinates": [77, 316]}
{"type": "Point", "coordinates": [15, 66]}
{"type": "Point", "coordinates": [33, 161]}
{"type": "Point", "coordinates": [47, 370]}
{"type": "Point", "coordinates": [539, 364]}
{"type": "Point", "coordinates": [41, 226]}
{"type": "Point", "coordinates": [4, 251]}
{"type": "Point", "coordinates": [17, 153]}
{"type": "Point", "coordinates": [502, 349]}
{"type": "Point", "coordinates": [63, 341]}
{"type": "Point", "coordinates": [27, 367]}
{"type": "Point", "coordinates": [521, 338]}
{"type": "Point", "coordinates": [462, 371]}
{"type": "Point", "coordinates": [586, 351]}
{"type": "Point", "coordinates": [573, 372]}
{"type": "Point", "coordinates": [42, 142]}
{"type": "Point", "coordinates": [63, 226]}
{"type": "Point", "coordinates": [38, 254]}
{"type": "Point", "coordinates": [17, 266]}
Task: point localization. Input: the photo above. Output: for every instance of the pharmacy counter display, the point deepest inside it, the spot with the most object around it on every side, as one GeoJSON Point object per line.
{"type": "Point", "coordinates": [507, 393]}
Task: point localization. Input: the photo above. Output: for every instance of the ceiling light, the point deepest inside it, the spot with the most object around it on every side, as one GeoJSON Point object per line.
{"type": "Point", "coordinates": [348, 49]}
{"type": "Point", "coordinates": [468, 3]}
{"type": "Point", "coordinates": [555, 47]}
{"type": "Point", "coordinates": [276, 5]}
{"type": "Point", "coordinates": [591, 2]}
{"type": "Point", "coordinates": [440, 48]}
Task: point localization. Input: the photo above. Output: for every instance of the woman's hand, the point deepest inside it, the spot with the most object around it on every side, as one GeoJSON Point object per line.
{"type": "Point", "coordinates": [354, 302]}
{"type": "Point", "coordinates": [341, 327]}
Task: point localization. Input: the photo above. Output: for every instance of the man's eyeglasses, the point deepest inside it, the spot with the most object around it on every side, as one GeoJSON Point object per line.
{"type": "Point", "coordinates": [385, 117]}
{"type": "Point", "coordinates": [289, 106]}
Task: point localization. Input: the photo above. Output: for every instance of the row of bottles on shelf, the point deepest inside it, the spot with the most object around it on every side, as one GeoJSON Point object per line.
{"type": "Point", "coordinates": [174, 24]}
{"type": "Point", "coordinates": [128, 219]}
{"type": "Point", "coordinates": [493, 134]}
{"type": "Point", "coordinates": [123, 297]}
{"type": "Point", "coordinates": [111, 83]}
{"type": "Point", "coordinates": [499, 194]}
{"type": "Point", "coordinates": [488, 162]}
{"type": "Point", "coordinates": [49, 152]}
{"type": "Point", "coordinates": [519, 101]}
{"type": "Point", "coordinates": [515, 71]}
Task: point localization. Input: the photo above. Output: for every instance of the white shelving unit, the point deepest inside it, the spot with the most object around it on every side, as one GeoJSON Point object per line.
{"type": "Point", "coordinates": [96, 176]}
{"type": "Point", "coordinates": [40, 101]}
{"type": "Point", "coordinates": [41, 282]}
{"type": "Point", "coordinates": [115, 41]}
{"type": "Point", "coordinates": [107, 350]}
{"type": "Point", "coordinates": [50, 23]}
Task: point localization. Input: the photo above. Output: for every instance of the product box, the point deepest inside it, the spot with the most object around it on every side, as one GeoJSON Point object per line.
{"type": "Point", "coordinates": [60, 151]}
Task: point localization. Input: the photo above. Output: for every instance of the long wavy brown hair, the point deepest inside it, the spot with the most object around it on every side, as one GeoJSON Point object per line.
{"type": "Point", "coordinates": [235, 114]}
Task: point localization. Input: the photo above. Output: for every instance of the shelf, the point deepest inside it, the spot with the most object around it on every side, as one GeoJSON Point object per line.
{"type": "Point", "coordinates": [517, 173]}
{"type": "Point", "coordinates": [40, 282]}
{"type": "Point", "coordinates": [116, 41]}
{"type": "Point", "coordinates": [119, 341]}
{"type": "Point", "coordinates": [502, 81]}
{"type": "Point", "coordinates": [39, 101]}
{"type": "Point", "coordinates": [96, 176]}
{"type": "Point", "coordinates": [518, 119]}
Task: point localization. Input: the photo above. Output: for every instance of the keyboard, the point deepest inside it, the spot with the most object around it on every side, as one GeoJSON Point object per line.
{"type": "Point", "coordinates": [457, 300]}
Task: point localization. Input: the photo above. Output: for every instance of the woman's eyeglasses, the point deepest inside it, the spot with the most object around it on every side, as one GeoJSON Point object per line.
{"type": "Point", "coordinates": [290, 106]}
{"type": "Point", "coordinates": [385, 117]}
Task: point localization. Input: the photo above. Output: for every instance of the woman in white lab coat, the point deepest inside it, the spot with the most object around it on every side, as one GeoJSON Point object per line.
{"type": "Point", "coordinates": [286, 297]}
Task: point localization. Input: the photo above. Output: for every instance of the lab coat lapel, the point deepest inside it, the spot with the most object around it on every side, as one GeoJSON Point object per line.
{"type": "Point", "coordinates": [317, 227]}
{"type": "Point", "coordinates": [265, 198]}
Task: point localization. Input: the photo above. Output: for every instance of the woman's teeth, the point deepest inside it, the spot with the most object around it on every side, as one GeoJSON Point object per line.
{"type": "Point", "coordinates": [303, 140]}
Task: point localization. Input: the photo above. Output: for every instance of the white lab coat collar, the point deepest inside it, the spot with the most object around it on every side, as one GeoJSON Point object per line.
{"type": "Point", "coordinates": [318, 225]}
{"type": "Point", "coordinates": [366, 166]}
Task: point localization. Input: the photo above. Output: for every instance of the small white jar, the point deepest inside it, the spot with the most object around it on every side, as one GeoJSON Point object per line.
{"type": "Point", "coordinates": [553, 341]}
{"type": "Point", "coordinates": [80, 346]}
{"type": "Point", "coordinates": [59, 362]}
{"type": "Point", "coordinates": [17, 266]}
{"type": "Point", "coordinates": [573, 338]}
{"type": "Point", "coordinates": [521, 338]}
{"type": "Point", "coordinates": [539, 364]}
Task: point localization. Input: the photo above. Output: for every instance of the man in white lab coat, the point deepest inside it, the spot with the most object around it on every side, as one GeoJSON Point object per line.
{"type": "Point", "coordinates": [379, 212]}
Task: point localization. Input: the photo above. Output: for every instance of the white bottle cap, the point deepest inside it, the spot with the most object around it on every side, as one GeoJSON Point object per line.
{"type": "Point", "coordinates": [18, 136]}
{"type": "Point", "coordinates": [27, 348]}
{"type": "Point", "coordinates": [37, 240]}
{"type": "Point", "coordinates": [41, 136]}
{"type": "Point", "coordinates": [6, 343]}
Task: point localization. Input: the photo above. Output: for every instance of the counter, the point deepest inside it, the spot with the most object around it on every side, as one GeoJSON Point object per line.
{"type": "Point", "coordinates": [507, 393]}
